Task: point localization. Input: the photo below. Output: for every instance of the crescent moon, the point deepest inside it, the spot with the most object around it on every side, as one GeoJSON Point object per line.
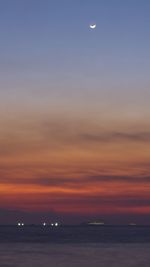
{"type": "Point", "coordinates": [93, 26]}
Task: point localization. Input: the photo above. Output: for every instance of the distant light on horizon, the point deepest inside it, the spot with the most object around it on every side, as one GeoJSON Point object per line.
{"type": "Point", "coordinates": [20, 224]}
{"type": "Point", "coordinates": [55, 224]}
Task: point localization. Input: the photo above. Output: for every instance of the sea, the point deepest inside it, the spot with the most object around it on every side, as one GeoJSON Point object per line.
{"type": "Point", "coordinates": [70, 246]}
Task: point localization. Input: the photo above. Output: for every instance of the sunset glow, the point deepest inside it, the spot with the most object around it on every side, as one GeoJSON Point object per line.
{"type": "Point", "coordinates": [74, 124]}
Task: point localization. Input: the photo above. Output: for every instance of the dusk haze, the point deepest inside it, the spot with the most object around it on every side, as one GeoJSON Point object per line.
{"type": "Point", "coordinates": [75, 111]}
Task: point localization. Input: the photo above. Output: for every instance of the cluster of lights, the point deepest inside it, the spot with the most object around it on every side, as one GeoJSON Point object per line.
{"type": "Point", "coordinates": [20, 224]}
{"type": "Point", "coordinates": [52, 224]}
{"type": "Point", "coordinates": [55, 224]}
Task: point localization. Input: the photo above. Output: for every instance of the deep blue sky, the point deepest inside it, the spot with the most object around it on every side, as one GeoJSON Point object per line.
{"type": "Point", "coordinates": [54, 36]}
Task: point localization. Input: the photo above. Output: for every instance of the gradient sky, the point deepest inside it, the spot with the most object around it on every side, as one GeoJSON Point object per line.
{"type": "Point", "coordinates": [74, 110]}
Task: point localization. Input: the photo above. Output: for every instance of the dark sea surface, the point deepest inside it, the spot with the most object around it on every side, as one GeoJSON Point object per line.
{"type": "Point", "coordinates": [70, 246]}
{"type": "Point", "coordinates": [75, 234]}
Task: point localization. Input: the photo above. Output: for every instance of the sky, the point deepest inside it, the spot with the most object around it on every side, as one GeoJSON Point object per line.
{"type": "Point", "coordinates": [74, 111]}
